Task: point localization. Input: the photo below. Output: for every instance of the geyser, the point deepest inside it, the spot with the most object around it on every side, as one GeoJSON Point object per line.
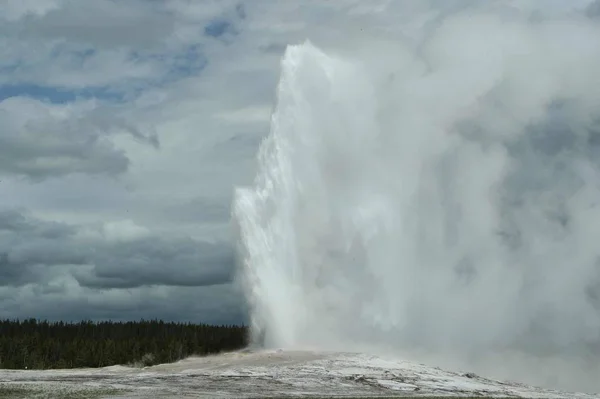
{"type": "Point", "coordinates": [443, 202]}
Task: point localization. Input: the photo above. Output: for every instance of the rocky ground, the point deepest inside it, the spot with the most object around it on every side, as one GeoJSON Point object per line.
{"type": "Point", "coordinates": [265, 374]}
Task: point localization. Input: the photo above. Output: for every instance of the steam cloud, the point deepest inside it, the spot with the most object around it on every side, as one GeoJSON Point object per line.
{"type": "Point", "coordinates": [437, 197]}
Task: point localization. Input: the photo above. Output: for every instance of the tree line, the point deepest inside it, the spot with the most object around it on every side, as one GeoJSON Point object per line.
{"type": "Point", "coordinates": [37, 344]}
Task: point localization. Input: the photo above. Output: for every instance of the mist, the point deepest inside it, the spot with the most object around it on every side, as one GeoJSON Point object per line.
{"type": "Point", "coordinates": [436, 195]}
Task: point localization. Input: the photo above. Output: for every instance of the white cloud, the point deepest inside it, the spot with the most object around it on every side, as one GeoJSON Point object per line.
{"type": "Point", "coordinates": [242, 116]}
{"type": "Point", "coordinates": [13, 10]}
{"type": "Point", "coordinates": [124, 230]}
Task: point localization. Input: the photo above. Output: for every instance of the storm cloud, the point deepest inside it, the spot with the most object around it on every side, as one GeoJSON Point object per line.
{"type": "Point", "coordinates": [102, 258]}
{"type": "Point", "coordinates": [47, 258]}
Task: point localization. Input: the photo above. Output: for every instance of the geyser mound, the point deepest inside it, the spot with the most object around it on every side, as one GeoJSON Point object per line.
{"type": "Point", "coordinates": [443, 203]}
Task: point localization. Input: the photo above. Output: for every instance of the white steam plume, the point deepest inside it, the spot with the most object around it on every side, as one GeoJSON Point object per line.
{"type": "Point", "coordinates": [441, 199]}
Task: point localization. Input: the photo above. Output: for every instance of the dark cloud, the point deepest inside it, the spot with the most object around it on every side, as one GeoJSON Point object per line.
{"type": "Point", "coordinates": [29, 248]}
{"type": "Point", "coordinates": [13, 221]}
{"type": "Point", "coordinates": [58, 271]}
{"type": "Point", "coordinates": [218, 28]}
{"type": "Point", "coordinates": [199, 210]}
{"type": "Point", "coordinates": [240, 11]}
{"type": "Point", "coordinates": [37, 144]}
{"type": "Point", "coordinates": [40, 140]}
{"type": "Point", "coordinates": [275, 48]}
{"type": "Point", "coordinates": [100, 23]}
{"type": "Point", "coordinates": [226, 26]}
{"type": "Point", "coordinates": [220, 304]}
{"type": "Point", "coordinates": [593, 10]}
{"type": "Point", "coordinates": [160, 261]}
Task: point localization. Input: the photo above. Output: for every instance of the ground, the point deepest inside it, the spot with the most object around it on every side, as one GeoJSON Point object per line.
{"type": "Point", "coordinates": [261, 374]}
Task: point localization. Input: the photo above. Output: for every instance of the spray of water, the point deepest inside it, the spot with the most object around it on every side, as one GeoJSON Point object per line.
{"type": "Point", "coordinates": [441, 202]}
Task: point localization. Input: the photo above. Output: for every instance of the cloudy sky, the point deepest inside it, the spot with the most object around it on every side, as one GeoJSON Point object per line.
{"type": "Point", "coordinates": [124, 128]}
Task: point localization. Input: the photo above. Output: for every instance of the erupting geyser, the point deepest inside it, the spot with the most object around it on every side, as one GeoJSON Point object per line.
{"type": "Point", "coordinates": [444, 201]}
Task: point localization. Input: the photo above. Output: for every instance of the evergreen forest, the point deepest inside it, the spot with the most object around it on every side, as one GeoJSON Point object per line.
{"type": "Point", "coordinates": [34, 344]}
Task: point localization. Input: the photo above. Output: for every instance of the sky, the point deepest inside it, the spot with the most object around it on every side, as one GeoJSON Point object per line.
{"type": "Point", "coordinates": [126, 126]}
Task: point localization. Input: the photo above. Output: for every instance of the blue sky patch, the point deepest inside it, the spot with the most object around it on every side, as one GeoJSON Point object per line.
{"type": "Point", "coordinates": [219, 27]}
{"type": "Point", "coordinates": [56, 94]}
{"type": "Point", "coordinates": [189, 62]}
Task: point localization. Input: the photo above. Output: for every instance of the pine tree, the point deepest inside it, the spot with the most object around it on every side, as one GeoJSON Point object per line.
{"type": "Point", "coordinates": [42, 345]}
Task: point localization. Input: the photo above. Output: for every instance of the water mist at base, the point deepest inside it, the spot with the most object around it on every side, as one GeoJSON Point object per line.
{"type": "Point", "coordinates": [441, 204]}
